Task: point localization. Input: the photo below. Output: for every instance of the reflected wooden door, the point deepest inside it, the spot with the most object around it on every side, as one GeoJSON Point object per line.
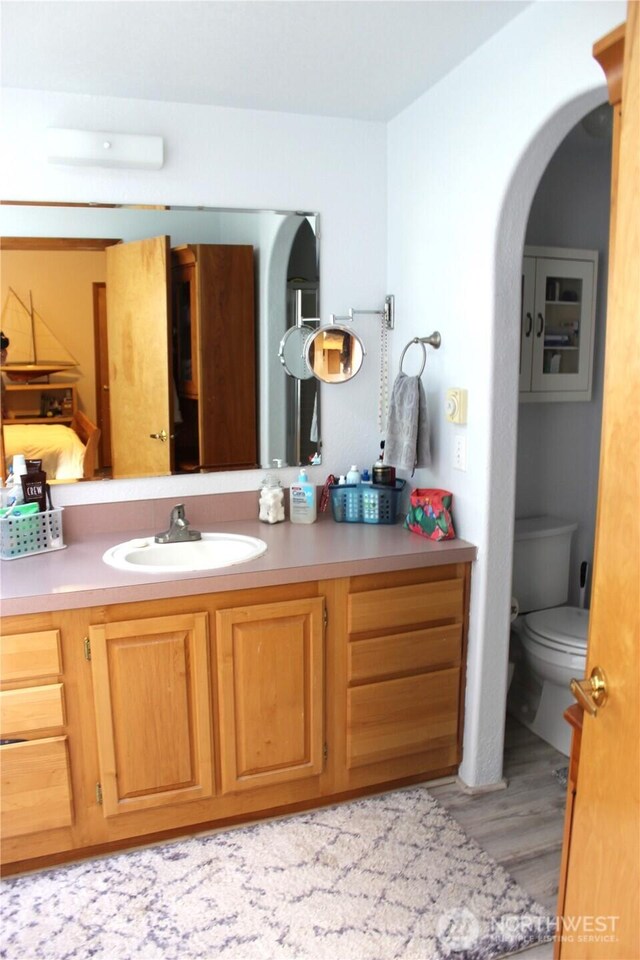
{"type": "Point", "coordinates": [601, 905]}
{"type": "Point", "coordinates": [138, 320]}
{"type": "Point", "coordinates": [100, 338]}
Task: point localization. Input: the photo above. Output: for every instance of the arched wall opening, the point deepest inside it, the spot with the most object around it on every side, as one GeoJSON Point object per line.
{"type": "Point", "coordinates": [487, 676]}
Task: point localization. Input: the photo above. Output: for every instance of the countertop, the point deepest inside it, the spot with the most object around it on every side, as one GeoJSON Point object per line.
{"type": "Point", "coordinates": [77, 576]}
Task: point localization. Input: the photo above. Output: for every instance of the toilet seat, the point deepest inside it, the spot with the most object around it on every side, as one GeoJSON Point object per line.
{"type": "Point", "coordinates": [559, 628]}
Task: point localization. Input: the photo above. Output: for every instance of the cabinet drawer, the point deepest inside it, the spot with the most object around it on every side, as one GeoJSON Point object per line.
{"type": "Point", "coordinates": [396, 607]}
{"type": "Point", "coordinates": [403, 653]}
{"type": "Point", "coordinates": [397, 718]}
{"type": "Point", "coordinates": [35, 787]}
{"type": "Point", "coordinates": [31, 708]}
{"type": "Point", "coordinates": [30, 656]}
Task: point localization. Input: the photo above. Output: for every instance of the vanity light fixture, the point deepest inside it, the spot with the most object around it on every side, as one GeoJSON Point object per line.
{"type": "Point", "coordinates": [101, 149]}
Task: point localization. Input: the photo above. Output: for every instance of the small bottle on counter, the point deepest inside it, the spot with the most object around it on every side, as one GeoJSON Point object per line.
{"type": "Point", "coordinates": [302, 500]}
{"type": "Point", "coordinates": [271, 502]}
{"type": "Point", "coordinates": [353, 476]}
{"type": "Point", "coordinates": [19, 470]}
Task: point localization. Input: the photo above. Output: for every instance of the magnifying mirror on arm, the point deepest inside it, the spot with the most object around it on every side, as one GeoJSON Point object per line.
{"type": "Point", "coordinates": [334, 353]}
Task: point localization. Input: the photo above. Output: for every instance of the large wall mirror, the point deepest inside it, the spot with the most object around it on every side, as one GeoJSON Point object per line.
{"type": "Point", "coordinates": [161, 328]}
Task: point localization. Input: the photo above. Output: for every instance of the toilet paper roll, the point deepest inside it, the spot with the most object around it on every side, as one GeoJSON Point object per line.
{"type": "Point", "coordinates": [515, 609]}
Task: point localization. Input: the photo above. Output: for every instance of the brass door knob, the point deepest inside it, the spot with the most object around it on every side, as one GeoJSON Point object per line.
{"type": "Point", "coordinates": [592, 693]}
{"type": "Point", "coordinates": [163, 436]}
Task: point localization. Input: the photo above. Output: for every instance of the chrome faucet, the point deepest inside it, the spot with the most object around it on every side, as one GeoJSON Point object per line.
{"type": "Point", "coordinates": [179, 530]}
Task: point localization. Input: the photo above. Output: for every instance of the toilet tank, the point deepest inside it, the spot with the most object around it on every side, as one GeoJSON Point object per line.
{"type": "Point", "coordinates": [541, 554]}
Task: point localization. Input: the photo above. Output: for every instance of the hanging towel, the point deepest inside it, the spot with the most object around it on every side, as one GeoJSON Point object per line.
{"type": "Point", "coordinates": [407, 445]}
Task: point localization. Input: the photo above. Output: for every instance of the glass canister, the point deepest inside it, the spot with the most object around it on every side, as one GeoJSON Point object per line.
{"type": "Point", "coordinates": [271, 502]}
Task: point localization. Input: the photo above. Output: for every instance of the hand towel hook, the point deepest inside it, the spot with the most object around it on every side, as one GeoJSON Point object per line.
{"type": "Point", "coordinates": [434, 340]}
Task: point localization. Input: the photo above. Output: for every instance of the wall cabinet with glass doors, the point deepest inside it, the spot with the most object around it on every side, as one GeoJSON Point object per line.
{"type": "Point", "coordinates": [558, 323]}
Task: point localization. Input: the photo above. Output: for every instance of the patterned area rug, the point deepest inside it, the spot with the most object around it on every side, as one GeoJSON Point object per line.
{"type": "Point", "coordinates": [392, 876]}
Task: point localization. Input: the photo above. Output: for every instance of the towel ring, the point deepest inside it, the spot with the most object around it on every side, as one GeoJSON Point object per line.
{"type": "Point", "coordinates": [424, 355]}
{"type": "Point", "coordinates": [434, 340]}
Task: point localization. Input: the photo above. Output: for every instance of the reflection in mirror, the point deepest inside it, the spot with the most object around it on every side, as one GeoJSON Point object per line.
{"type": "Point", "coordinates": [334, 353]}
{"type": "Point", "coordinates": [292, 351]}
{"type": "Point", "coordinates": [175, 317]}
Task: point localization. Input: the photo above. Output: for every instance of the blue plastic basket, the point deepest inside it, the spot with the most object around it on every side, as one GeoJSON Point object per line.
{"type": "Point", "coordinates": [365, 502]}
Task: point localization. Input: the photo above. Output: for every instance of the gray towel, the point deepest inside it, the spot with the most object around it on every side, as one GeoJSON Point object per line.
{"type": "Point", "coordinates": [407, 445]}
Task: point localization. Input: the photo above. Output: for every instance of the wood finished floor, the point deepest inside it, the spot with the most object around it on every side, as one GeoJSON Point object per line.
{"type": "Point", "coordinates": [521, 826]}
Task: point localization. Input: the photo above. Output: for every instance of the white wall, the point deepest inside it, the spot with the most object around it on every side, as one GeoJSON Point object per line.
{"type": "Point", "coordinates": [232, 158]}
{"type": "Point", "coordinates": [464, 161]}
{"type": "Point", "coordinates": [559, 443]}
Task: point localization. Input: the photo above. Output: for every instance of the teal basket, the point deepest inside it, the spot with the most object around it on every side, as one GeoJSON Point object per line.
{"type": "Point", "coordinates": [365, 502]}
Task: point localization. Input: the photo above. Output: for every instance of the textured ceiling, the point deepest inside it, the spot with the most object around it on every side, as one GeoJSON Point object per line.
{"type": "Point", "coordinates": [365, 59]}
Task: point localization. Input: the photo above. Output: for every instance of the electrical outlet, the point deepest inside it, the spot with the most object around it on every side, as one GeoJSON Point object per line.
{"type": "Point", "coordinates": [460, 452]}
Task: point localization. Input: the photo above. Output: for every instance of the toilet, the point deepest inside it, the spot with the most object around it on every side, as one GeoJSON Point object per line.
{"type": "Point", "coordinates": [548, 638]}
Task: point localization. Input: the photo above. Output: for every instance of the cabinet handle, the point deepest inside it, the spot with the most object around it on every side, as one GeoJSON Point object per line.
{"type": "Point", "coordinates": [163, 436]}
{"type": "Point", "coordinates": [541, 325]}
{"type": "Point", "coordinates": [527, 332]}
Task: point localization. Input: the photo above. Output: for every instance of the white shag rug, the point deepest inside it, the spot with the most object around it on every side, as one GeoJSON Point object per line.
{"type": "Point", "coordinates": [391, 876]}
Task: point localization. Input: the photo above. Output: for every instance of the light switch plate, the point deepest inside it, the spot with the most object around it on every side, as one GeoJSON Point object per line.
{"type": "Point", "coordinates": [456, 405]}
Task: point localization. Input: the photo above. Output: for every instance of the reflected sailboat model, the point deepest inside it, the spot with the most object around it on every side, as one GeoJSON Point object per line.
{"type": "Point", "coordinates": [35, 351]}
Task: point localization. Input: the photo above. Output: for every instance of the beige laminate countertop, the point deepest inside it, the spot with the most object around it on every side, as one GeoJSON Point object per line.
{"type": "Point", "coordinates": [77, 576]}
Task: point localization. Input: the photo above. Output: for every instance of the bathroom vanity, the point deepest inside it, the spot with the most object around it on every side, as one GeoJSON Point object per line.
{"type": "Point", "coordinates": [150, 707]}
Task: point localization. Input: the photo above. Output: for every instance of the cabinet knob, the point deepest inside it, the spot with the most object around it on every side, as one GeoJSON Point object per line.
{"type": "Point", "coordinates": [163, 436]}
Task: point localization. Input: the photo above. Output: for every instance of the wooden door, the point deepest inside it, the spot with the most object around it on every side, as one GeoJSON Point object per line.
{"type": "Point", "coordinates": [138, 318]}
{"type": "Point", "coordinates": [101, 340]}
{"type": "Point", "coordinates": [270, 692]}
{"type": "Point", "coordinates": [603, 872]}
{"type": "Point", "coordinates": [153, 719]}
{"type": "Point", "coordinates": [227, 408]}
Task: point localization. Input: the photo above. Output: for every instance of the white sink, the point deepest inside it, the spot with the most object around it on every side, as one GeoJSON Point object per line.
{"type": "Point", "coordinates": [215, 550]}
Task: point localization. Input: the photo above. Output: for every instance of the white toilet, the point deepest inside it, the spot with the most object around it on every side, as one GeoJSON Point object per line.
{"type": "Point", "coordinates": [548, 638]}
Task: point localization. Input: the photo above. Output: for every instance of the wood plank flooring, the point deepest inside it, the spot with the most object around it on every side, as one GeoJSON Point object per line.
{"type": "Point", "coordinates": [521, 826]}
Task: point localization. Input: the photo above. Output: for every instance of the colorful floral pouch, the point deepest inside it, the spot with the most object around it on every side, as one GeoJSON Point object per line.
{"type": "Point", "coordinates": [430, 514]}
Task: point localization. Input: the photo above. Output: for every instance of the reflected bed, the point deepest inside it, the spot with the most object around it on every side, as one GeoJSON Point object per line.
{"type": "Point", "coordinates": [67, 453]}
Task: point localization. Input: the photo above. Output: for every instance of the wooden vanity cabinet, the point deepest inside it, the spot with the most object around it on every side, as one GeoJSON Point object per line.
{"type": "Point", "coordinates": [162, 717]}
{"type": "Point", "coordinates": [35, 780]}
{"type": "Point", "coordinates": [404, 671]}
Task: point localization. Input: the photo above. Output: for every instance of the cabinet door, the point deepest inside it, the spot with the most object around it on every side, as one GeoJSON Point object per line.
{"type": "Point", "coordinates": [270, 692]}
{"type": "Point", "coordinates": [153, 719]}
{"type": "Point", "coordinates": [527, 310]}
{"type": "Point", "coordinates": [563, 329]}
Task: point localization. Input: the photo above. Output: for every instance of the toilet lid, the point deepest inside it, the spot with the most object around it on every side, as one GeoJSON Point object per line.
{"type": "Point", "coordinates": [564, 626]}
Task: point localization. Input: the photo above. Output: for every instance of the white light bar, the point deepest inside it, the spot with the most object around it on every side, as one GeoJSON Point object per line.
{"type": "Point", "coordinates": [100, 149]}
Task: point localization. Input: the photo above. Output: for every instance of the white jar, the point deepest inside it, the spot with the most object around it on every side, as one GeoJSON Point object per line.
{"type": "Point", "coordinates": [271, 502]}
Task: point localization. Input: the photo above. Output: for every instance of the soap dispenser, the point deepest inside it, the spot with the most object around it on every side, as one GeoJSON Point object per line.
{"type": "Point", "coordinates": [302, 500]}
